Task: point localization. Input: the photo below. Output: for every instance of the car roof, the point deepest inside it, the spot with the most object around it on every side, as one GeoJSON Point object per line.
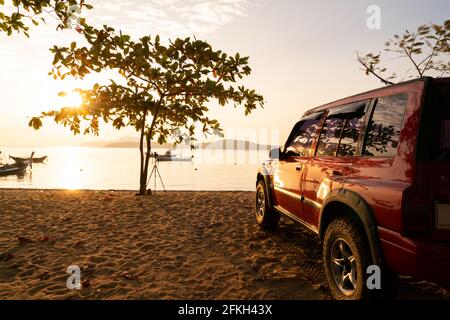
{"type": "Point", "coordinates": [387, 90]}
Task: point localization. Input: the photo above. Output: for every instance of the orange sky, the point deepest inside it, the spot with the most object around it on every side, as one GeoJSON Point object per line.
{"type": "Point", "coordinates": [302, 55]}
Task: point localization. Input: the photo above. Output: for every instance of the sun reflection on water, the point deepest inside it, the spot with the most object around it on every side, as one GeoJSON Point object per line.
{"type": "Point", "coordinates": [71, 171]}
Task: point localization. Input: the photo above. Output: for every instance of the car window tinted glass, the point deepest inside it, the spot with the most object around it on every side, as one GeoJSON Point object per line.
{"type": "Point", "coordinates": [306, 133]}
{"type": "Point", "coordinates": [434, 138]}
{"type": "Point", "coordinates": [445, 135]}
{"type": "Point", "coordinates": [351, 132]}
{"type": "Point", "coordinates": [340, 133]}
{"type": "Point", "coordinates": [383, 132]}
{"type": "Point", "coordinates": [442, 106]}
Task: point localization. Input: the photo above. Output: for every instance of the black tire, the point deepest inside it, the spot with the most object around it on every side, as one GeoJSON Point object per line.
{"type": "Point", "coordinates": [346, 256]}
{"type": "Point", "coordinates": [266, 217]}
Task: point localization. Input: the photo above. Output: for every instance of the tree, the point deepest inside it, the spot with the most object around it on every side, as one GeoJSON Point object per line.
{"type": "Point", "coordinates": [162, 88]}
{"type": "Point", "coordinates": [27, 12]}
{"type": "Point", "coordinates": [427, 50]}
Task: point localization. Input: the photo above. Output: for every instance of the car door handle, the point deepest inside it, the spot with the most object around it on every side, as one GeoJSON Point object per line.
{"type": "Point", "coordinates": [337, 173]}
{"type": "Point", "coordinates": [298, 168]}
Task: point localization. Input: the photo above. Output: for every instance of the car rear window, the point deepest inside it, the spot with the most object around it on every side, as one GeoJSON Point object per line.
{"type": "Point", "coordinates": [383, 132]}
{"type": "Point", "coordinates": [445, 135]}
{"type": "Point", "coordinates": [441, 121]}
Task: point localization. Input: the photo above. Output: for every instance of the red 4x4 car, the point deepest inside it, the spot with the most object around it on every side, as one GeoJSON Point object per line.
{"type": "Point", "coordinates": [370, 174]}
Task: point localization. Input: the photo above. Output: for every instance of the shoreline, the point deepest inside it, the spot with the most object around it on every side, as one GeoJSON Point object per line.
{"type": "Point", "coordinates": [117, 190]}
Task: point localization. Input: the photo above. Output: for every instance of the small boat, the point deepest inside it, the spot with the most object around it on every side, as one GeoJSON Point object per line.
{"type": "Point", "coordinates": [13, 169]}
{"type": "Point", "coordinates": [174, 158]}
{"type": "Point", "coordinates": [169, 156]}
{"type": "Point", "coordinates": [29, 160]}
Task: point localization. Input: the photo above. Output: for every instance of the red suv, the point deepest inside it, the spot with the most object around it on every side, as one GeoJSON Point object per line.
{"type": "Point", "coordinates": [370, 175]}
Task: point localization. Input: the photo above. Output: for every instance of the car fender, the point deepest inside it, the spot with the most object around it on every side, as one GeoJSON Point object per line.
{"type": "Point", "coordinates": [365, 214]}
{"type": "Point", "coordinates": [264, 175]}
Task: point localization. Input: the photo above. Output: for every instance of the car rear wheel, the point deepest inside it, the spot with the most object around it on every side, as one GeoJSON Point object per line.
{"type": "Point", "coordinates": [266, 217]}
{"type": "Point", "coordinates": [347, 256]}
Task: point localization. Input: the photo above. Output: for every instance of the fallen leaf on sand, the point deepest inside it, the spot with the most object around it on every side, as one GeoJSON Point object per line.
{"type": "Point", "coordinates": [88, 269]}
{"type": "Point", "coordinates": [128, 275]}
{"type": "Point", "coordinates": [86, 283]}
{"type": "Point", "coordinates": [215, 223]}
{"type": "Point", "coordinates": [43, 239]}
{"type": "Point", "coordinates": [78, 243]}
{"type": "Point", "coordinates": [24, 240]}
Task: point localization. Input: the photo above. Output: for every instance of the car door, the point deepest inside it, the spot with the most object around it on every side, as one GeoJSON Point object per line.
{"type": "Point", "coordinates": [288, 174]}
{"type": "Point", "coordinates": [338, 145]}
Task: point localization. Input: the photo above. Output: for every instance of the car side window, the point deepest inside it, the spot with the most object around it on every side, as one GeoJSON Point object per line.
{"type": "Point", "coordinates": [383, 132]}
{"type": "Point", "coordinates": [351, 132]}
{"type": "Point", "coordinates": [306, 133]}
{"type": "Point", "coordinates": [340, 134]}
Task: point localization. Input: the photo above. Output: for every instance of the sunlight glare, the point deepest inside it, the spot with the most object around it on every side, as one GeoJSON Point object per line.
{"type": "Point", "coordinates": [71, 173]}
{"type": "Point", "coordinates": [71, 100]}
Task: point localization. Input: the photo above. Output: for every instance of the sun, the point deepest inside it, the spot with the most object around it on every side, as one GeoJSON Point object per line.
{"type": "Point", "coordinates": [71, 100]}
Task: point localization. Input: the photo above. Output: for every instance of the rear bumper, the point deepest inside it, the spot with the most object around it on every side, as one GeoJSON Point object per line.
{"type": "Point", "coordinates": [425, 261]}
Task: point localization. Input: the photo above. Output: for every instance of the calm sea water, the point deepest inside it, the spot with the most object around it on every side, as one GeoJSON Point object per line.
{"type": "Point", "coordinates": [118, 169]}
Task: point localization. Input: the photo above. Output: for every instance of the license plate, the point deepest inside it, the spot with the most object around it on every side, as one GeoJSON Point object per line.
{"type": "Point", "coordinates": [442, 215]}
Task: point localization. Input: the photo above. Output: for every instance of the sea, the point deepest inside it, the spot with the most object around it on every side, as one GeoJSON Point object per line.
{"type": "Point", "coordinates": [80, 168]}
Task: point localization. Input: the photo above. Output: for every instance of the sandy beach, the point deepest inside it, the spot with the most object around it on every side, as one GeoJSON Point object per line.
{"type": "Point", "coordinates": [174, 245]}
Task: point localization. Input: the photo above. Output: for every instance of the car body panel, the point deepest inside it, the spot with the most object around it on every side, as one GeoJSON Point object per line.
{"type": "Point", "coordinates": [380, 183]}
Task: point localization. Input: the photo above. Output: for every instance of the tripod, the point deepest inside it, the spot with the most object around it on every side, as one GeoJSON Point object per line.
{"type": "Point", "coordinates": [155, 172]}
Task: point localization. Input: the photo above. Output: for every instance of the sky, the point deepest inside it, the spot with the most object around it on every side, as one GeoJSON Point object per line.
{"type": "Point", "coordinates": [302, 53]}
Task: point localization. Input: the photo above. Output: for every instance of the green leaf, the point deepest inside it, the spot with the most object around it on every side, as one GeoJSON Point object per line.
{"type": "Point", "coordinates": [35, 122]}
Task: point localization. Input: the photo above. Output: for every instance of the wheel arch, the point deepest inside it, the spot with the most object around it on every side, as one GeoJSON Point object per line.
{"type": "Point", "coordinates": [344, 202]}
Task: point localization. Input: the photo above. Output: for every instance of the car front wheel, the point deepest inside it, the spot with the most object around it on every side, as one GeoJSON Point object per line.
{"type": "Point", "coordinates": [266, 216]}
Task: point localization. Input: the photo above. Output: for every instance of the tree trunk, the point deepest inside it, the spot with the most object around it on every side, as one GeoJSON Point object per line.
{"type": "Point", "coordinates": [147, 155]}
{"type": "Point", "coordinates": [142, 173]}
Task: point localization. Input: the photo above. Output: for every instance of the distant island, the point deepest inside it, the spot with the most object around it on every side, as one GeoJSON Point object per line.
{"type": "Point", "coordinates": [223, 144]}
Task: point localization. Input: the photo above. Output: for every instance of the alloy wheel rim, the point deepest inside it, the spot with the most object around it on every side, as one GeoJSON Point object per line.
{"type": "Point", "coordinates": [260, 203]}
{"type": "Point", "coordinates": [343, 267]}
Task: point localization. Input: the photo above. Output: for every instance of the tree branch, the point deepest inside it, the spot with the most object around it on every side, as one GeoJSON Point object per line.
{"type": "Point", "coordinates": [409, 55]}
{"type": "Point", "coordinates": [432, 54]}
{"type": "Point", "coordinates": [386, 82]}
